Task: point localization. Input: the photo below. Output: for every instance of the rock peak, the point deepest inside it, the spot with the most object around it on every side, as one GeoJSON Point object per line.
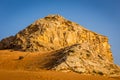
{"type": "Point", "coordinates": [54, 33]}
{"type": "Point", "coordinates": [50, 20]}
{"type": "Point", "coordinates": [56, 16]}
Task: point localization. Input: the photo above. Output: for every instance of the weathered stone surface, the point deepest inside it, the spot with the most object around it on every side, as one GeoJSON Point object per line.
{"type": "Point", "coordinates": [82, 58]}
{"type": "Point", "coordinates": [54, 32]}
{"type": "Point", "coordinates": [7, 42]}
{"type": "Point", "coordinates": [75, 47]}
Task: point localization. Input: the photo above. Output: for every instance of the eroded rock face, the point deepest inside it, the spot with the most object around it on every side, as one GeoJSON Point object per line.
{"type": "Point", "coordinates": [55, 32]}
{"type": "Point", "coordinates": [82, 58]}
{"type": "Point", "coordinates": [73, 47]}
{"type": "Point", "coordinates": [7, 42]}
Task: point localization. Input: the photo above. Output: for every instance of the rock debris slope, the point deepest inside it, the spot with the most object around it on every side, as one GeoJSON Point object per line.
{"type": "Point", "coordinates": [82, 58]}
{"type": "Point", "coordinates": [92, 53]}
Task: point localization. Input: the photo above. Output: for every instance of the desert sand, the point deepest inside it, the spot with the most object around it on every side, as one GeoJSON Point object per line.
{"type": "Point", "coordinates": [13, 67]}
{"type": "Point", "coordinates": [48, 75]}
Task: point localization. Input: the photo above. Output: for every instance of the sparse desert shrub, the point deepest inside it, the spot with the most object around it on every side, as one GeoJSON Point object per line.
{"type": "Point", "coordinates": [20, 57]}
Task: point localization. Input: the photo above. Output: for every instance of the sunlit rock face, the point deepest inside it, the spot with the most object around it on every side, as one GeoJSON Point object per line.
{"type": "Point", "coordinates": [54, 32]}
{"type": "Point", "coordinates": [83, 59]}
{"type": "Point", "coordinates": [75, 48]}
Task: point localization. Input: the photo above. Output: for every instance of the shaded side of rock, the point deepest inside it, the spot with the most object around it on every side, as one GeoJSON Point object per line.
{"type": "Point", "coordinates": [7, 43]}
{"type": "Point", "coordinates": [81, 59]}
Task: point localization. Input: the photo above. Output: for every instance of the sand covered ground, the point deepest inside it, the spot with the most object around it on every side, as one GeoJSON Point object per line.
{"type": "Point", "coordinates": [49, 75]}
{"type": "Point", "coordinates": [14, 68]}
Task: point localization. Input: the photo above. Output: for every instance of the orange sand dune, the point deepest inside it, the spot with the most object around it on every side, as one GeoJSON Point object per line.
{"type": "Point", "coordinates": [48, 75]}
{"type": "Point", "coordinates": [28, 68]}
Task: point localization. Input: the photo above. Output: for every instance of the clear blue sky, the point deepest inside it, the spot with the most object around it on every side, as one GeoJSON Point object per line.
{"type": "Point", "coordinates": [101, 16]}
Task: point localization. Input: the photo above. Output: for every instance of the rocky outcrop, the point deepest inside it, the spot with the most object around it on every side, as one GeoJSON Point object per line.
{"type": "Point", "coordinates": [7, 42]}
{"type": "Point", "coordinates": [74, 47]}
{"type": "Point", "coordinates": [83, 59]}
{"type": "Point", "coordinates": [55, 32]}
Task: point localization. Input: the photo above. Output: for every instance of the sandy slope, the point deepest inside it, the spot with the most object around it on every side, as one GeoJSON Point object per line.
{"type": "Point", "coordinates": [11, 68]}
{"type": "Point", "coordinates": [48, 75]}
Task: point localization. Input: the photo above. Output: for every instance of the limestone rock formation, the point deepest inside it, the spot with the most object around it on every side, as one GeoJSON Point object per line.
{"type": "Point", "coordinates": [83, 59]}
{"type": "Point", "coordinates": [78, 48]}
{"type": "Point", "coordinates": [55, 32]}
